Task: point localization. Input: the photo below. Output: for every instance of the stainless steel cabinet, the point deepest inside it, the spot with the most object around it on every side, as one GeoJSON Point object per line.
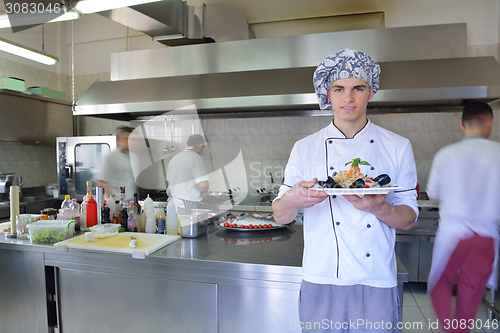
{"type": "Point", "coordinates": [407, 248]}
{"type": "Point", "coordinates": [425, 257]}
{"type": "Point", "coordinates": [106, 302]}
{"type": "Point", "coordinates": [23, 301]}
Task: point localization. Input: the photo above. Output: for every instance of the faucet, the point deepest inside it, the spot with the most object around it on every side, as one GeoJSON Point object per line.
{"type": "Point", "coordinates": [20, 182]}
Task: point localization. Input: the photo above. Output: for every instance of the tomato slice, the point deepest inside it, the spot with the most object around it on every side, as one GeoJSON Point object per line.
{"type": "Point", "coordinates": [366, 186]}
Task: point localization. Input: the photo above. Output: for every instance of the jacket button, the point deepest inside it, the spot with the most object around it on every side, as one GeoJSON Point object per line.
{"type": "Point", "coordinates": [334, 196]}
{"type": "Point", "coordinates": [330, 141]}
{"type": "Point", "coordinates": [368, 225]}
{"type": "Point", "coordinates": [367, 255]}
{"type": "Point", "coordinates": [331, 168]}
{"type": "Point", "coordinates": [372, 168]}
{"type": "Point", "coordinates": [338, 223]}
{"type": "Point", "coordinates": [371, 141]}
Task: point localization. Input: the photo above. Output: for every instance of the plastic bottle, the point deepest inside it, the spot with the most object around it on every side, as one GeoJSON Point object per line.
{"type": "Point", "coordinates": [132, 213]}
{"type": "Point", "coordinates": [124, 212]}
{"type": "Point", "coordinates": [91, 213]}
{"type": "Point", "coordinates": [160, 220]}
{"type": "Point", "coordinates": [150, 221]}
{"type": "Point", "coordinates": [65, 206]}
{"type": "Point", "coordinates": [83, 214]}
{"type": "Point", "coordinates": [74, 213]}
{"type": "Point", "coordinates": [171, 218]}
{"type": "Point", "coordinates": [117, 216]}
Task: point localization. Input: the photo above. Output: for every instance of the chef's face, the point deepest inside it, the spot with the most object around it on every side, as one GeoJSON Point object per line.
{"type": "Point", "coordinates": [349, 98]}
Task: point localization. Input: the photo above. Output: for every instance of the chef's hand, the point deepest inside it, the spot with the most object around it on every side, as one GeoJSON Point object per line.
{"type": "Point", "coordinates": [299, 196]}
{"type": "Point", "coordinates": [367, 202]}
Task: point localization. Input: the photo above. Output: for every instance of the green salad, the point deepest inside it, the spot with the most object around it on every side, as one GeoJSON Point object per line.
{"type": "Point", "coordinates": [48, 235]}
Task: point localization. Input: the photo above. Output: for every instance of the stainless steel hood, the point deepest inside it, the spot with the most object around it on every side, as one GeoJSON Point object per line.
{"type": "Point", "coordinates": [422, 67]}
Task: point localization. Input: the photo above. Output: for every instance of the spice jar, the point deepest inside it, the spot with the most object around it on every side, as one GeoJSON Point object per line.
{"type": "Point", "coordinates": [45, 215]}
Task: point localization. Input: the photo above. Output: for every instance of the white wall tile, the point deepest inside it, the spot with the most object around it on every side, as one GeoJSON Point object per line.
{"type": "Point", "coordinates": [438, 140]}
{"type": "Point", "coordinates": [377, 119]}
{"type": "Point", "coordinates": [287, 142]}
{"type": "Point", "coordinates": [215, 127]}
{"type": "Point", "coordinates": [251, 147]}
{"type": "Point", "coordinates": [271, 147]}
{"type": "Point", "coordinates": [441, 122]}
{"type": "Point", "coordinates": [309, 125]}
{"type": "Point", "coordinates": [420, 144]}
{"type": "Point", "coordinates": [290, 125]}
{"type": "Point", "coordinates": [325, 121]}
{"type": "Point", "coordinates": [233, 126]}
{"type": "Point", "coordinates": [271, 125]}
{"type": "Point", "coordinates": [417, 122]}
{"type": "Point", "coordinates": [251, 126]}
{"type": "Point", "coordinates": [396, 123]}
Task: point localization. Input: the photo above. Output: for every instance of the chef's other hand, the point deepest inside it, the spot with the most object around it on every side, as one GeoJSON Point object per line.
{"type": "Point", "coordinates": [367, 202]}
{"type": "Point", "coordinates": [301, 195]}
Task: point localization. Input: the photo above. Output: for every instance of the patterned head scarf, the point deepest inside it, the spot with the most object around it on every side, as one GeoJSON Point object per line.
{"type": "Point", "coordinates": [343, 65]}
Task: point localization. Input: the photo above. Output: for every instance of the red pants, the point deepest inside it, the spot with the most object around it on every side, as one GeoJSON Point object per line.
{"type": "Point", "coordinates": [470, 266]}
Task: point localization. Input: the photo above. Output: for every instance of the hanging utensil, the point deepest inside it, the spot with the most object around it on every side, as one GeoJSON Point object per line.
{"type": "Point", "coordinates": [172, 148]}
{"type": "Point", "coordinates": [166, 150]}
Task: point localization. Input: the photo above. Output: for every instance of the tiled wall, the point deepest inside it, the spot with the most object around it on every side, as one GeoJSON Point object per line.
{"type": "Point", "coordinates": [36, 164]}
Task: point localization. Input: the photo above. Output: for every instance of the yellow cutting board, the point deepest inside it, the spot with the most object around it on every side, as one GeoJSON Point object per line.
{"type": "Point", "coordinates": [146, 243]}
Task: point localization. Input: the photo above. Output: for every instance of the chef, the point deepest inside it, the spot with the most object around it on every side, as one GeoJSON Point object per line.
{"type": "Point", "coordinates": [186, 175]}
{"type": "Point", "coordinates": [464, 178]}
{"type": "Point", "coordinates": [117, 169]}
{"type": "Point", "coordinates": [349, 263]}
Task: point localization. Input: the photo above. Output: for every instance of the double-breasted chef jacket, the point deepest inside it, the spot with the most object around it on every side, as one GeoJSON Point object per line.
{"type": "Point", "coordinates": [344, 245]}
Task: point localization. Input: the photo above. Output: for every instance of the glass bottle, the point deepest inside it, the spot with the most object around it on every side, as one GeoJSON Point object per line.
{"type": "Point", "coordinates": [160, 220]}
{"type": "Point", "coordinates": [105, 213]}
{"type": "Point", "coordinates": [117, 216]}
{"type": "Point", "coordinates": [132, 222]}
{"type": "Point", "coordinates": [124, 212]}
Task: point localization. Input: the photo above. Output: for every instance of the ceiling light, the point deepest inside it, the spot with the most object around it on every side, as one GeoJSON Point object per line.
{"type": "Point", "coordinates": [92, 6]}
{"type": "Point", "coordinates": [26, 52]}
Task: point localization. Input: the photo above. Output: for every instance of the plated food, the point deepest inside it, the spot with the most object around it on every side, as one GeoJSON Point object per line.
{"type": "Point", "coordinates": [353, 181]}
{"type": "Point", "coordinates": [249, 222]}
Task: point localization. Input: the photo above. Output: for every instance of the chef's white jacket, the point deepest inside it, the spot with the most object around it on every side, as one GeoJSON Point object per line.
{"type": "Point", "coordinates": [465, 178]}
{"type": "Point", "coordinates": [344, 245]}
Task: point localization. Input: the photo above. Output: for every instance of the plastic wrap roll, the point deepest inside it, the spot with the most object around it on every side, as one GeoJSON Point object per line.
{"type": "Point", "coordinates": [14, 207]}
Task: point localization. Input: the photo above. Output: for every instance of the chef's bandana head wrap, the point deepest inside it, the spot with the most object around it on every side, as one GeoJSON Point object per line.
{"type": "Point", "coordinates": [344, 64]}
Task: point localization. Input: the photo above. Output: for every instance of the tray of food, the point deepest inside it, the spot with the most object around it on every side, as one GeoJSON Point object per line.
{"type": "Point", "coordinates": [352, 181]}
{"type": "Point", "coordinates": [250, 222]}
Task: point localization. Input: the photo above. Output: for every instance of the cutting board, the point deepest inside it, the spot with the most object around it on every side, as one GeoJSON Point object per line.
{"type": "Point", "coordinates": [146, 243]}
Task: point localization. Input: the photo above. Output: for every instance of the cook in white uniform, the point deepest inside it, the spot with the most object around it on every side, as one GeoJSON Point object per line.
{"type": "Point", "coordinates": [117, 169]}
{"type": "Point", "coordinates": [349, 263]}
{"type": "Point", "coordinates": [186, 175]}
{"type": "Point", "coordinates": [464, 179]}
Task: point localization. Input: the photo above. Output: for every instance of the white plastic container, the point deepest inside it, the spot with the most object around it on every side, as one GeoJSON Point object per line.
{"type": "Point", "coordinates": [105, 230]}
{"type": "Point", "coordinates": [150, 221]}
{"type": "Point", "coordinates": [171, 218]}
{"type": "Point", "coordinates": [51, 231]}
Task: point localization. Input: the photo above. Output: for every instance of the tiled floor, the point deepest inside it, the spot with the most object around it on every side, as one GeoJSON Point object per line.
{"type": "Point", "coordinates": [418, 312]}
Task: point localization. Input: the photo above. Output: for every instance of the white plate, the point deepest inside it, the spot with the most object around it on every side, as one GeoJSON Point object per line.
{"type": "Point", "coordinates": [360, 191]}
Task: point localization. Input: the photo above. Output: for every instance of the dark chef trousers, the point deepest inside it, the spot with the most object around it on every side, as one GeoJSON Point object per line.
{"type": "Point", "coordinates": [358, 308]}
{"type": "Point", "coordinates": [470, 266]}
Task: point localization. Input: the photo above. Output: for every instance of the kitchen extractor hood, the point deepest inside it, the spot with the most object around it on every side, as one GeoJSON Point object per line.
{"type": "Point", "coordinates": [174, 23]}
{"type": "Point", "coordinates": [422, 67]}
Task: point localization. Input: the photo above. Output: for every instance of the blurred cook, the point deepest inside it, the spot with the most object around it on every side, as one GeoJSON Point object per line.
{"type": "Point", "coordinates": [464, 179]}
{"type": "Point", "coordinates": [117, 169]}
{"type": "Point", "coordinates": [349, 263]}
{"type": "Point", "coordinates": [186, 175]}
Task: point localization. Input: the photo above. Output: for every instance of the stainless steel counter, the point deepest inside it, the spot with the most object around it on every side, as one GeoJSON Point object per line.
{"type": "Point", "coordinates": [219, 282]}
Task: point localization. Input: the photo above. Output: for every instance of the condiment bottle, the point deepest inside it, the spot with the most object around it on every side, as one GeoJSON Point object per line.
{"type": "Point", "coordinates": [131, 221]}
{"type": "Point", "coordinates": [83, 215]}
{"type": "Point", "coordinates": [124, 212]}
{"type": "Point", "coordinates": [150, 221]}
{"type": "Point", "coordinates": [91, 213]}
{"type": "Point", "coordinates": [105, 213]}
{"type": "Point", "coordinates": [171, 218]}
{"type": "Point", "coordinates": [160, 220]}
{"type": "Point", "coordinates": [117, 216]}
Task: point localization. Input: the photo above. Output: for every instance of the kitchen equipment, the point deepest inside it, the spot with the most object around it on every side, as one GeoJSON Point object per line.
{"type": "Point", "coordinates": [194, 222]}
{"type": "Point", "coordinates": [49, 189]}
{"type": "Point", "coordinates": [146, 243]}
{"type": "Point", "coordinates": [80, 159]}
{"type": "Point", "coordinates": [104, 230]}
{"type": "Point", "coordinates": [6, 180]}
